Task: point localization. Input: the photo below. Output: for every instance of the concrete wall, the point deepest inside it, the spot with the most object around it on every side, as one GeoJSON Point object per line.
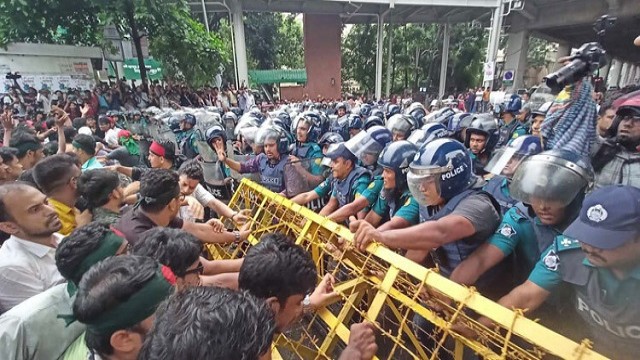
{"type": "Point", "coordinates": [322, 55]}
{"type": "Point", "coordinates": [292, 93]}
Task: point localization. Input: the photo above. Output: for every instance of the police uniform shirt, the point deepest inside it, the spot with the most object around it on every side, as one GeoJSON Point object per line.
{"type": "Point", "coordinates": [373, 190]}
{"type": "Point", "coordinates": [314, 153]}
{"type": "Point", "coordinates": [609, 305]}
{"type": "Point", "coordinates": [515, 234]}
{"type": "Point", "coordinates": [408, 210]}
{"type": "Point", "coordinates": [324, 188]}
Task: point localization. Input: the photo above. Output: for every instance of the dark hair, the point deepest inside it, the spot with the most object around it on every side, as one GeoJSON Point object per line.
{"type": "Point", "coordinates": [8, 154]}
{"type": "Point", "coordinates": [5, 189]}
{"type": "Point", "coordinates": [192, 169]}
{"type": "Point", "coordinates": [24, 142]}
{"type": "Point", "coordinates": [53, 171]}
{"type": "Point", "coordinates": [276, 266]}
{"type": "Point", "coordinates": [174, 248]}
{"type": "Point", "coordinates": [27, 178]}
{"type": "Point", "coordinates": [210, 323]}
{"type": "Point", "coordinates": [69, 133]}
{"type": "Point", "coordinates": [78, 123]}
{"type": "Point", "coordinates": [157, 188]}
{"type": "Point", "coordinates": [74, 248]}
{"type": "Point", "coordinates": [169, 149]}
{"type": "Point", "coordinates": [96, 185]}
{"type": "Point", "coordinates": [604, 107]}
{"type": "Point", "coordinates": [87, 143]}
{"type": "Point", "coordinates": [106, 285]}
{"type": "Point", "coordinates": [50, 148]}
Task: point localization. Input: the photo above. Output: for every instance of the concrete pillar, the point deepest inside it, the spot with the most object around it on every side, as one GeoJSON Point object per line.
{"type": "Point", "coordinates": [494, 37]}
{"type": "Point", "coordinates": [445, 61]}
{"type": "Point", "coordinates": [516, 58]}
{"type": "Point", "coordinates": [633, 73]}
{"type": "Point", "coordinates": [614, 73]}
{"type": "Point", "coordinates": [624, 75]}
{"type": "Point", "coordinates": [564, 49]}
{"type": "Point", "coordinates": [322, 56]}
{"type": "Point", "coordinates": [389, 57]}
{"type": "Point", "coordinates": [379, 53]}
{"type": "Point", "coordinates": [239, 42]}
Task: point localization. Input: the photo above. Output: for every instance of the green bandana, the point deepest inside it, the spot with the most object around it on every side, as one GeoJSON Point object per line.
{"type": "Point", "coordinates": [83, 148]}
{"type": "Point", "coordinates": [131, 144]}
{"type": "Point", "coordinates": [135, 309]}
{"type": "Point", "coordinates": [108, 247]}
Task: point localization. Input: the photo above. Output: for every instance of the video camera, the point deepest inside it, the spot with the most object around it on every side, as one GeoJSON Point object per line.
{"type": "Point", "coordinates": [589, 58]}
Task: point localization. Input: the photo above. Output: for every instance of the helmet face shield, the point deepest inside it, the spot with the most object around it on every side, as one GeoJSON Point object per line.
{"type": "Point", "coordinates": [364, 147]}
{"type": "Point", "coordinates": [425, 188]}
{"type": "Point", "coordinates": [504, 162]}
{"type": "Point", "coordinates": [398, 124]}
{"type": "Point", "coordinates": [537, 180]}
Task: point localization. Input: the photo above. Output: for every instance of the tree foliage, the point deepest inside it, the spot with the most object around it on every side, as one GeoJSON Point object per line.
{"type": "Point", "coordinates": [175, 38]}
{"type": "Point", "coordinates": [416, 55]}
{"type": "Point", "coordinates": [537, 52]}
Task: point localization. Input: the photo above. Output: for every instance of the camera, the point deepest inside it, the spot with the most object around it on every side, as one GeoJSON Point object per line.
{"type": "Point", "coordinates": [588, 58]}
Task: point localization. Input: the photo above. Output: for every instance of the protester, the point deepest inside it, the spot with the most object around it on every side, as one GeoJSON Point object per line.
{"type": "Point", "coordinates": [103, 193]}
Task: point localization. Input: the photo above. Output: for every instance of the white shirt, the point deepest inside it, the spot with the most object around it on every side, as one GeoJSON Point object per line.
{"type": "Point", "coordinates": [111, 136]}
{"type": "Point", "coordinates": [26, 269]}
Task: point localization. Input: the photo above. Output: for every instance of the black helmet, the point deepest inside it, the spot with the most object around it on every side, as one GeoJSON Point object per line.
{"type": "Point", "coordinates": [373, 120]}
{"type": "Point", "coordinates": [330, 138]}
{"type": "Point", "coordinates": [484, 124]}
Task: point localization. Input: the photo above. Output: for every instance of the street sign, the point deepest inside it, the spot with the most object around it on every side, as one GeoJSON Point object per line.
{"type": "Point", "coordinates": [508, 77]}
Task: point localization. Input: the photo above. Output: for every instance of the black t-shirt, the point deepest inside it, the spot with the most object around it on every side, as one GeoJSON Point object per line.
{"type": "Point", "coordinates": [134, 222]}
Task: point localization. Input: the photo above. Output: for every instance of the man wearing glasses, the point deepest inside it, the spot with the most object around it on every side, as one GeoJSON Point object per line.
{"type": "Point", "coordinates": [617, 161]}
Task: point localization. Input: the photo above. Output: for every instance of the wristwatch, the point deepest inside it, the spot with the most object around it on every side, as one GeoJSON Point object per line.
{"type": "Point", "coordinates": [237, 235]}
{"type": "Point", "coordinates": [306, 305]}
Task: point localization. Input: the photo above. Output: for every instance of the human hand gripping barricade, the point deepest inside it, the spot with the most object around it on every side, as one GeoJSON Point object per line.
{"type": "Point", "coordinates": [415, 312]}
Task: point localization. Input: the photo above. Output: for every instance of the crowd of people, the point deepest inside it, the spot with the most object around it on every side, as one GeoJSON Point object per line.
{"type": "Point", "coordinates": [107, 198]}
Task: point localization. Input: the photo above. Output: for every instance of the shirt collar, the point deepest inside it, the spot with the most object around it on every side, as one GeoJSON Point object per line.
{"type": "Point", "coordinates": [36, 249]}
{"type": "Point", "coordinates": [91, 162]}
{"type": "Point", "coordinates": [60, 206]}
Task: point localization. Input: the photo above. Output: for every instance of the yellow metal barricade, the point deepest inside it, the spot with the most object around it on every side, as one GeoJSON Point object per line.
{"type": "Point", "coordinates": [390, 291]}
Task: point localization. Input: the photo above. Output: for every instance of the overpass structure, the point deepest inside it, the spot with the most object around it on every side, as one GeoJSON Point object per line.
{"type": "Point", "coordinates": [568, 22]}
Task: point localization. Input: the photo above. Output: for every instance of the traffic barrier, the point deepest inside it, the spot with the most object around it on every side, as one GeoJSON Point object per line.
{"type": "Point", "coordinates": [383, 287]}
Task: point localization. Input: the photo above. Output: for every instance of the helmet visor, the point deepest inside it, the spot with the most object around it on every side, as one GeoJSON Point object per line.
{"type": "Point", "coordinates": [398, 124]}
{"type": "Point", "coordinates": [545, 181]}
{"type": "Point", "coordinates": [504, 162]}
{"type": "Point", "coordinates": [248, 134]}
{"type": "Point", "coordinates": [418, 137]}
{"type": "Point", "coordinates": [364, 146]}
{"type": "Point", "coordinates": [424, 188]}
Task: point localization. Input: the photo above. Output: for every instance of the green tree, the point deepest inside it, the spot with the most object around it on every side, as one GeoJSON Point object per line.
{"type": "Point", "coordinates": [290, 53]}
{"type": "Point", "coordinates": [83, 21]}
{"type": "Point", "coordinates": [537, 52]}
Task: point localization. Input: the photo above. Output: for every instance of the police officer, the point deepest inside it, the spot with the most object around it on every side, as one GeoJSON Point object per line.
{"type": "Point", "coordinates": [481, 138]}
{"type": "Point", "coordinates": [417, 111]}
{"type": "Point", "coordinates": [307, 155]}
{"type": "Point", "coordinates": [598, 258]}
{"type": "Point", "coordinates": [392, 109]}
{"type": "Point", "coordinates": [341, 109]}
{"type": "Point", "coordinates": [395, 208]}
{"type": "Point", "coordinates": [366, 146]}
{"type": "Point", "coordinates": [537, 117]}
{"type": "Point", "coordinates": [456, 215]}
{"type": "Point", "coordinates": [373, 120]}
{"type": "Point", "coordinates": [442, 116]}
{"type": "Point", "coordinates": [458, 124]}
{"type": "Point", "coordinates": [401, 126]}
{"type": "Point", "coordinates": [365, 111]}
{"type": "Point", "coordinates": [187, 136]}
{"type": "Point", "coordinates": [503, 165]}
{"type": "Point", "coordinates": [216, 134]}
{"type": "Point", "coordinates": [511, 128]}
{"type": "Point", "coordinates": [270, 164]}
{"type": "Point", "coordinates": [349, 179]}
{"type": "Point", "coordinates": [354, 125]}
{"type": "Point", "coordinates": [550, 187]}
{"type": "Point", "coordinates": [323, 190]}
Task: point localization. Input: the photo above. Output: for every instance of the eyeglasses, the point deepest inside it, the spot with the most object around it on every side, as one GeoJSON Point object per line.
{"type": "Point", "coordinates": [198, 270]}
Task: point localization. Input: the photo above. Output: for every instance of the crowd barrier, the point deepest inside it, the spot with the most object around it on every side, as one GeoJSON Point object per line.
{"type": "Point", "coordinates": [383, 287]}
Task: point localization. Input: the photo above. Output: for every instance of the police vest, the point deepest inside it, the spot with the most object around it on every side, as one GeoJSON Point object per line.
{"type": "Point", "coordinates": [186, 144]}
{"type": "Point", "coordinates": [272, 175]}
{"type": "Point", "coordinates": [450, 255]}
{"type": "Point", "coordinates": [302, 149]}
{"type": "Point", "coordinates": [615, 327]}
{"type": "Point", "coordinates": [344, 188]}
{"type": "Point", "coordinates": [494, 187]}
{"type": "Point", "coordinates": [507, 131]}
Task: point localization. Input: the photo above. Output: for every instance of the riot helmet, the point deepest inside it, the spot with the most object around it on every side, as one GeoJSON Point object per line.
{"type": "Point", "coordinates": [397, 156]}
{"type": "Point", "coordinates": [365, 111]}
{"type": "Point", "coordinates": [458, 125]}
{"type": "Point", "coordinates": [392, 109]}
{"type": "Point", "coordinates": [377, 112]}
{"type": "Point", "coordinates": [366, 145]}
{"type": "Point", "coordinates": [401, 126]}
{"type": "Point", "coordinates": [330, 138]}
{"type": "Point", "coordinates": [485, 125]}
{"type": "Point", "coordinates": [428, 133]}
{"type": "Point", "coordinates": [276, 134]}
{"type": "Point", "coordinates": [506, 160]}
{"type": "Point", "coordinates": [373, 120]}
{"type": "Point", "coordinates": [440, 170]}
{"type": "Point", "coordinates": [188, 119]}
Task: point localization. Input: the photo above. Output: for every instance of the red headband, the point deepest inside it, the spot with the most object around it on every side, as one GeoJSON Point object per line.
{"type": "Point", "coordinates": [157, 149]}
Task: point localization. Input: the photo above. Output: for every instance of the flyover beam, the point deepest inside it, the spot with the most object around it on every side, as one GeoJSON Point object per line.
{"type": "Point", "coordinates": [448, 3]}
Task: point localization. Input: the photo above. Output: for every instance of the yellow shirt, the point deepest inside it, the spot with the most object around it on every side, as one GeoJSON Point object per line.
{"type": "Point", "coordinates": [67, 216]}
